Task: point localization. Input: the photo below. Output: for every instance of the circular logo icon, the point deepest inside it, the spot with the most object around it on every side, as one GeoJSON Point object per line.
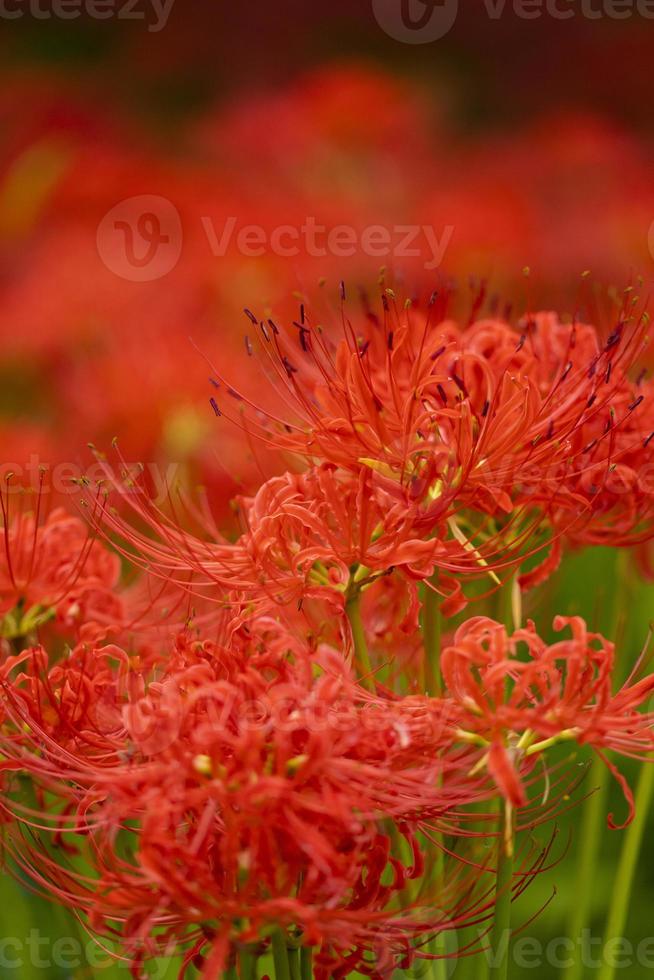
{"type": "Point", "coordinates": [140, 239]}
{"type": "Point", "coordinates": [442, 949]}
{"type": "Point", "coordinates": [416, 21]}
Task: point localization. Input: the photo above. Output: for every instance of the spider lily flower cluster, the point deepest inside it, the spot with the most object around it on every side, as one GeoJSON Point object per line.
{"type": "Point", "coordinates": [277, 745]}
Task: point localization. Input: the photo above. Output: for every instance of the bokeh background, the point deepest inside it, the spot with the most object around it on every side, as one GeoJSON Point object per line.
{"type": "Point", "coordinates": [129, 145]}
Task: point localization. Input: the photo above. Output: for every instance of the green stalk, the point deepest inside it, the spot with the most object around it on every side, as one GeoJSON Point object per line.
{"type": "Point", "coordinates": [475, 966]}
{"type": "Point", "coordinates": [431, 632]}
{"type": "Point", "coordinates": [294, 962]}
{"type": "Point", "coordinates": [509, 613]}
{"type": "Point", "coordinates": [590, 836]}
{"type": "Point", "coordinates": [431, 636]}
{"type": "Point", "coordinates": [624, 879]}
{"type": "Point", "coordinates": [247, 963]}
{"type": "Point", "coordinates": [353, 612]}
{"type": "Point", "coordinates": [438, 968]}
{"type": "Point", "coordinates": [508, 605]}
{"type": "Point", "coordinates": [478, 966]}
{"type": "Point", "coordinates": [500, 933]}
{"type": "Point", "coordinates": [594, 809]}
{"type": "Point", "coordinates": [306, 963]}
{"type": "Point", "coordinates": [280, 955]}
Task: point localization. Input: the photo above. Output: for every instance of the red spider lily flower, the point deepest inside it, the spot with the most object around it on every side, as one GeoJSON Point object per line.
{"type": "Point", "coordinates": [337, 530]}
{"type": "Point", "coordinates": [517, 707]}
{"type": "Point", "coordinates": [316, 534]}
{"type": "Point", "coordinates": [486, 436]}
{"type": "Point", "coordinates": [250, 780]}
{"type": "Point", "coordinates": [70, 710]}
{"type": "Point", "coordinates": [486, 430]}
{"type": "Point", "coordinates": [53, 569]}
{"type": "Point", "coordinates": [615, 490]}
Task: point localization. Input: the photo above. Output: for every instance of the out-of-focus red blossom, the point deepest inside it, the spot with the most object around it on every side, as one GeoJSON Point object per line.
{"type": "Point", "coordinates": [498, 192]}
{"type": "Point", "coordinates": [83, 328]}
{"type": "Point", "coordinates": [256, 774]}
{"type": "Point", "coordinates": [337, 142]}
{"type": "Point", "coordinates": [64, 167]}
{"type": "Point", "coordinates": [570, 164]}
{"type": "Point", "coordinates": [517, 706]}
{"type": "Point", "coordinates": [55, 569]}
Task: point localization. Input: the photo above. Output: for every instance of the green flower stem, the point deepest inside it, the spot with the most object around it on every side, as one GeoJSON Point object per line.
{"type": "Point", "coordinates": [590, 836]}
{"type": "Point", "coordinates": [508, 604]}
{"type": "Point", "coordinates": [431, 632]}
{"type": "Point", "coordinates": [280, 955]}
{"type": "Point", "coordinates": [624, 879]}
{"type": "Point", "coordinates": [509, 614]}
{"type": "Point", "coordinates": [500, 933]}
{"type": "Point", "coordinates": [247, 963]}
{"type": "Point", "coordinates": [476, 966]}
{"type": "Point", "coordinates": [306, 963]}
{"type": "Point", "coordinates": [431, 636]}
{"type": "Point", "coordinates": [594, 807]}
{"type": "Point", "coordinates": [353, 612]}
{"type": "Point", "coordinates": [438, 947]}
{"type": "Point", "coordinates": [294, 962]}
